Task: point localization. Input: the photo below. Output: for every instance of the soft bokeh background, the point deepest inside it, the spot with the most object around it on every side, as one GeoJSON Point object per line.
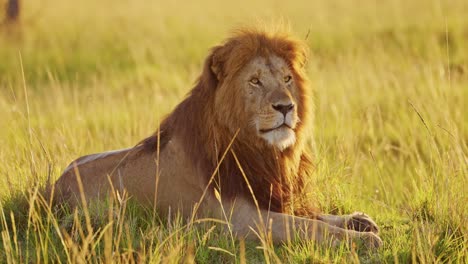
{"type": "Point", "coordinates": [390, 81]}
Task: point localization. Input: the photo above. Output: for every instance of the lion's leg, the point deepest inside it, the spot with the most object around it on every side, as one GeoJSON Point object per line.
{"type": "Point", "coordinates": [356, 221]}
{"type": "Point", "coordinates": [282, 227]}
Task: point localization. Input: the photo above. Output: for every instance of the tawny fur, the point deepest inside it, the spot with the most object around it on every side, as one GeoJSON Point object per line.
{"type": "Point", "coordinates": [173, 167]}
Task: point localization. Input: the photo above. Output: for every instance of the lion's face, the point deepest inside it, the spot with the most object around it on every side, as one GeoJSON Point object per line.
{"type": "Point", "coordinates": [270, 99]}
{"type": "Point", "coordinates": [259, 85]}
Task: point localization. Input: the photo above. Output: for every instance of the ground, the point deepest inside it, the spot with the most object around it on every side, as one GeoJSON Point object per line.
{"type": "Point", "coordinates": [390, 85]}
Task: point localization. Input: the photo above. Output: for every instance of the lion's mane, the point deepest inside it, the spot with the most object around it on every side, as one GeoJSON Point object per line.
{"type": "Point", "coordinates": [276, 177]}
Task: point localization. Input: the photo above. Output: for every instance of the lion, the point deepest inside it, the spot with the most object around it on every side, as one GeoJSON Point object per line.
{"type": "Point", "coordinates": [235, 144]}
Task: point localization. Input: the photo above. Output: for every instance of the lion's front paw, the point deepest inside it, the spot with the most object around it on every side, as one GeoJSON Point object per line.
{"type": "Point", "coordinates": [361, 222]}
{"type": "Point", "coordinates": [365, 240]}
{"type": "Point", "coordinates": [371, 240]}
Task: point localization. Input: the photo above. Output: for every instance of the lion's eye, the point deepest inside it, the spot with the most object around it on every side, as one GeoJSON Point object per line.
{"type": "Point", "coordinates": [255, 81]}
{"type": "Point", "coordinates": [287, 78]}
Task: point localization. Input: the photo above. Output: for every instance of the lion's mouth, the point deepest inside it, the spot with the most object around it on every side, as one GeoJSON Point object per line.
{"type": "Point", "coordinates": [263, 131]}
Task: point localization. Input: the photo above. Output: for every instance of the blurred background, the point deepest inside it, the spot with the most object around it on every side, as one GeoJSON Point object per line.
{"type": "Point", "coordinates": [70, 40]}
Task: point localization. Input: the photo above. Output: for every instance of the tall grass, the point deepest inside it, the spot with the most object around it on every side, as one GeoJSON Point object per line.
{"type": "Point", "coordinates": [390, 80]}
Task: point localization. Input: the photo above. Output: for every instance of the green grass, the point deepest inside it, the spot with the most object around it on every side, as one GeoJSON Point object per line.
{"type": "Point", "coordinates": [390, 80]}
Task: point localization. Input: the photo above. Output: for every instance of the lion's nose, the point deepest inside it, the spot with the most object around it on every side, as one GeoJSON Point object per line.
{"type": "Point", "coordinates": [283, 108]}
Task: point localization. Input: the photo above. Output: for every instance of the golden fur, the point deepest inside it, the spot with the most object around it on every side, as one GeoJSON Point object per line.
{"type": "Point", "coordinates": [225, 137]}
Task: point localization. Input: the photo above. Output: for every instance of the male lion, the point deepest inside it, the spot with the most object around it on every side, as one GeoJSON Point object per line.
{"type": "Point", "coordinates": [235, 143]}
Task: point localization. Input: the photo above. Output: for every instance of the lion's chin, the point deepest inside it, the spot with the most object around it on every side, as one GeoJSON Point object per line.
{"type": "Point", "coordinates": [282, 137]}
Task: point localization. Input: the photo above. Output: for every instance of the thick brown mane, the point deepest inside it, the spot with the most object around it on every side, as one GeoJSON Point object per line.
{"type": "Point", "coordinates": [275, 176]}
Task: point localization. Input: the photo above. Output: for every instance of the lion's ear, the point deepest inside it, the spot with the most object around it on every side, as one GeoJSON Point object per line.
{"type": "Point", "coordinates": [302, 55]}
{"type": "Point", "coordinates": [219, 58]}
{"type": "Point", "coordinates": [213, 67]}
{"type": "Point", "coordinates": [296, 53]}
{"type": "Point", "coordinates": [217, 62]}
{"type": "Point", "coordinates": [210, 71]}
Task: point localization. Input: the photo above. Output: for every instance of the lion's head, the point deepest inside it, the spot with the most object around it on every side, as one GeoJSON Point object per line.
{"type": "Point", "coordinates": [260, 87]}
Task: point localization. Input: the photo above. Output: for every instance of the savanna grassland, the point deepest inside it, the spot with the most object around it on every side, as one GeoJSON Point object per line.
{"type": "Point", "coordinates": [390, 82]}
